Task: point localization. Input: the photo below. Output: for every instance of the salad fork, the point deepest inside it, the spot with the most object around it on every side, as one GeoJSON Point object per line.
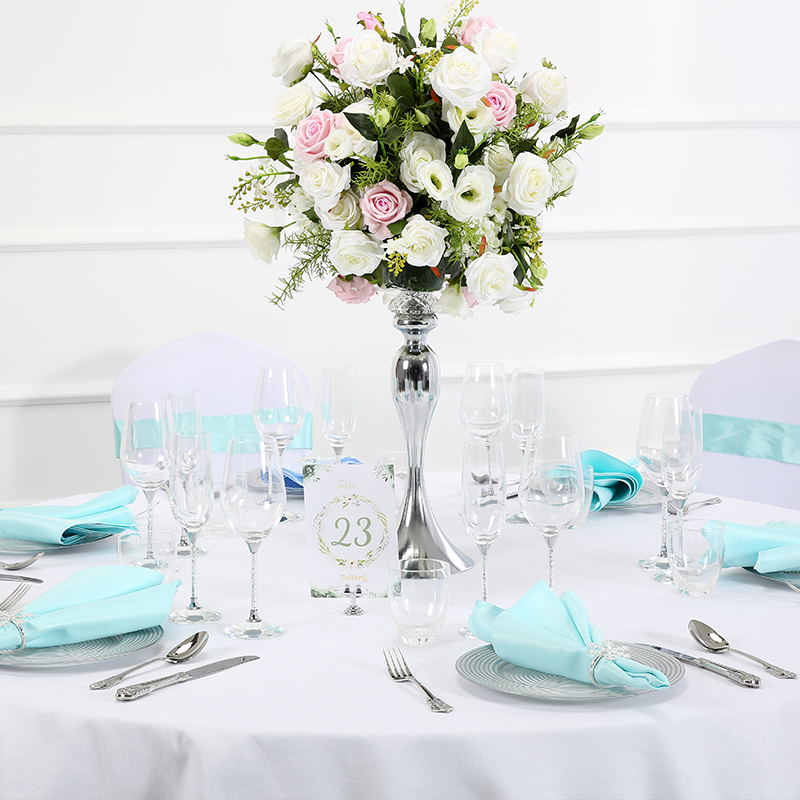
{"type": "Point", "coordinates": [399, 672]}
{"type": "Point", "coordinates": [15, 597]}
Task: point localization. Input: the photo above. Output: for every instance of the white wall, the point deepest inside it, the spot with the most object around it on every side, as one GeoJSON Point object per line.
{"type": "Point", "coordinates": [678, 247]}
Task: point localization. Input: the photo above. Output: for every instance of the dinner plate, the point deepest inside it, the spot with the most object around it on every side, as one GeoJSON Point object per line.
{"type": "Point", "coordinates": [68, 655]}
{"type": "Point", "coordinates": [25, 546]}
{"type": "Point", "coordinates": [485, 667]}
{"type": "Point", "coordinates": [789, 576]}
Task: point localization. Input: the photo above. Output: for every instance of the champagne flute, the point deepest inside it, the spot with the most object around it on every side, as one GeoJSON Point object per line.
{"type": "Point", "coordinates": [191, 496]}
{"type": "Point", "coordinates": [551, 487]}
{"type": "Point", "coordinates": [483, 503]}
{"type": "Point", "coordinates": [527, 413]}
{"type": "Point", "coordinates": [484, 402]}
{"type": "Point", "coordinates": [253, 500]}
{"type": "Point", "coordinates": [338, 407]}
{"type": "Point", "coordinates": [145, 458]}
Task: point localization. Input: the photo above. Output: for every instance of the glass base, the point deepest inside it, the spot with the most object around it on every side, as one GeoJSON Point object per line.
{"type": "Point", "coordinates": [658, 562]}
{"type": "Point", "coordinates": [517, 519]}
{"type": "Point", "coordinates": [254, 630]}
{"type": "Point", "coordinates": [466, 632]}
{"type": "Point", "coordinates": [153, 562]}
{"type": "Point", "coordinates": [190, 616]}
{"type": "Point", "coordinates": [290, 516]}
{"type": "Point", "coordinates": [185, 551]}
{"type": "Point", "coordinates": [664, 577]}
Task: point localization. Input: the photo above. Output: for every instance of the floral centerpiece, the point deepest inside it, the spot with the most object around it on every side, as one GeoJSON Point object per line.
{"type": "Point", "coordinates": [413, 161]}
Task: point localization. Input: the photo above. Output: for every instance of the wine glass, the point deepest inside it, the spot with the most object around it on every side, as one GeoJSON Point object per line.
{"type": "Point", "coordinates": [191, 496]}
{"type": "Point", "coordinates": [649, 442]}
{"type": "Point", "coordinates": [338, 407]}
{"type": "Point", "coordinates": [483, 502]}
{"type": "Point", "coordinates": [144, 453]}
{"type": "Point", "coordinates": [278, 409]}
{"type": "Point", "coordinates": [551, 487]}
{"type": "Point", "coordinates": [484, 403]}
{"type": "Point", "coordinates": [253, 500]}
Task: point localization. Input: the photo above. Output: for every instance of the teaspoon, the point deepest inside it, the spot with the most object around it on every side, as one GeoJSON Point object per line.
{"type": "Point", "coordinates": [20, 564]}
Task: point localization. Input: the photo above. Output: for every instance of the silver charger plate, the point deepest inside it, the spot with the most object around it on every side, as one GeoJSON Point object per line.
{"type": "Point", "coordinates": [648, 495]}
{"type": "Point", "coordinates": [68, 655]}
{"type": "Point", "coordinates": [24, 546]}
{"type": "Point", "coordinates": [485, 667]}
{"type": "Point", "coordinates": [789, 576]}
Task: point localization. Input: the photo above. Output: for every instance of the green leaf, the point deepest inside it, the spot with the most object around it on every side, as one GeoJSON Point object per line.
{"type": "Point", "coordinates": [275, 147]}
{"type": "Point", "coordinates": [280, 133]}
{"type": "Point", "coordinates": [363, 124]}
{"type": "Point", "coordinates": [569, 130]}
{"type": "Point", "coordinates": [464, 141]}
{"type": "Point", "coordinates": [392, 133]}
{"type": "Point", "coordinates": [406, 40]}
{"type": "Point", "coordinates": [396, 228]}
{"type": "Point", "coordinates": [401, 89]}
{"type": "Point", "coordinates": [449, 43]}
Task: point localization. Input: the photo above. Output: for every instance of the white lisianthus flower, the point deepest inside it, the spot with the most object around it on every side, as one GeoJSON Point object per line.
{"type": "Point", "coordinates": [563, 172]}
{"type": "Point", "coordinates": [340, 144]}
{"type": "Point", "coordinates": [547, 87]}
{"type": "Point", "coordinates": [262, 240]}
{"type": "Point", "coordinates": [517, 301]}
{"type": "Point", "coordinates": [497, 46]}
{"type": "Point", "coordinates": [499, 159]}
{"type": "Point", "coordinates": [344, 213]}
{"type": "Point", "coordinates": [419, 148]}
{"type": "Point", "coordinates": [480, 119]}
{"type": "Point", "coordinates": [490, 277]}
{"type": "Point", "coordinates": [292, 61]}
{"type": "Point", "coordinates": [324, 180]}
{"type": "Point", "coordinates": [368, 60]}
{"type": "Point", "coordinates": [436, 179]}
{"type": "Point", "coordinates": [422, 242]}
{"type": "Point", "coordinates": [453, 303]}
{"type": "Point", "coordinates": [294, 104]}
{"type": "Point", "coordinates": [355, 252]}
{"type": "Point", "coordinates": [529, 184]}
{"type": "Point", "coordinates": [462, 77]}
{"type": "Point", "coordinates": [472, 196]}
{"type": "Point", "coordinates": [361, 145]}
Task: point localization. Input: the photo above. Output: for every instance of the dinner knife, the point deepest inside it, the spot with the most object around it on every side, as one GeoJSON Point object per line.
{"type": "Point", "coordinates": [735, 675]}
{"type": "Point", "coordinates": [136, 690]}
{"type": "Point", "coordinates": [21, 578]}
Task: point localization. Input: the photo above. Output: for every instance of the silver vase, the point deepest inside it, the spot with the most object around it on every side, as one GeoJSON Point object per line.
{"type": "Point", "coordinates": [415, 384]}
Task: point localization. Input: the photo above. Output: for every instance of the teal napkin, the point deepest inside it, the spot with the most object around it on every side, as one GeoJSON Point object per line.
{"type": "Point", "coordinates": [554, 635]}
{"type": "Point", "coordinates": [90, 604]}
{"type": "Point", "coordinates": [614, 480]}
{"type": "Point", "coordinates": [773, 547]}
{"type": "Point", "coordinates": [84, 522]}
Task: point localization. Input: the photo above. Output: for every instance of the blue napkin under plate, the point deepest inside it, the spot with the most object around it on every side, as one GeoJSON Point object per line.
{"type": "Point", "coordinates": [91, 604]}
{"type": "Point", "coordinates": [60, 524]}
{"type": "Point", "coordinates": [774, 547]}
{"type": "Point", "coordinates": [554, 635]}
{"type": "Point", "coordinates": [615, 482]}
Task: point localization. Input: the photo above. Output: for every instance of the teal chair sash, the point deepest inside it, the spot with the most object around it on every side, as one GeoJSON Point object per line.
{"type": "Point", "coordinates": [753, 438]}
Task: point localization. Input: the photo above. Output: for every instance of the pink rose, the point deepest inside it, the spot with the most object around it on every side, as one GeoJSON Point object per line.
{"type": "Point", "coordinates": [469, 296]}
{"type": "Point", "coordinates": [382, 205]}
{"type": "Point", "coordinates": [336, 55]}
{"type": "Point", "coordinates": [472, 26]}
{"type": "Point", "coordinates": [503, 102]}
{"type": "Point", "coordinates": [370, 20]}
{"type": "Point", "coordinates": [358, 290]}
{"type": "Point", "coordinates": [311, 133]}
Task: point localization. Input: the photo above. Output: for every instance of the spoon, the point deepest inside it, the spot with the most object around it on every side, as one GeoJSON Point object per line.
{"type": "Point", "coordinates": [183, 651]}
{"type": "Point", "coordinates": [20, 564]}
{"type": "Point", "coordinates": [711, 501]}
{"type": "Point", "coordinates": [709, 639]}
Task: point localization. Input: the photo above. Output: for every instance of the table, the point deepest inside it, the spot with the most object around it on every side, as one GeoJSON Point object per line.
{"type": "Point", "coordinates": [318, 717]}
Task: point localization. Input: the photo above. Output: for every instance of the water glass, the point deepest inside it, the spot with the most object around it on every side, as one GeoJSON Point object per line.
{"type": "Point", "coordinates": [418, 594]}
{"type": "Point", "coordinates": [588, 497]}
{"type": "Point", "coordinates": [696, 551]}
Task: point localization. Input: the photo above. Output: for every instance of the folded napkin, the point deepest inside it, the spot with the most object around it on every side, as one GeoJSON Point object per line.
{"type": "Point", "coordinates": [554, 635]}
{"type": "Point", "coordinates": [84, 522]}
{"type": "Point", "coordinates": [614, 480]}
{"type": "Point", "coordinates": [90, 604]}
{"type": "Point", "coordinates": [773, 547]}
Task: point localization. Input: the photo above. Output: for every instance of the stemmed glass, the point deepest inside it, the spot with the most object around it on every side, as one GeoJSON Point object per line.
{"type": "Point", "coordinates": [484, 401]}
{"type": "Point", "coordinates": [253, 500]}
{"type": "Point", "coordinates": [145, 457]}
{"type": "Point", "coordinates": [483, 502]}
{"type": "Point", "coordinates": [649, 443]}
{"type": "Point", "coordinates": [278, 409]}
{"type": "Point", "coordinates": [551, 487]}
{"type": "Point", "coordinates": [191, 497]}
{"type": "Point", "coordinates": [338, 407]}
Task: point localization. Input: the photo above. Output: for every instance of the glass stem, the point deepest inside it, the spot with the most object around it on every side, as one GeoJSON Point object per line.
{"type": "Point", "coordinates": [664, 518]}
{"type": "Point", "coordinates": [193, 553]}
{"type": "Point", "coordinates": [484, 580]}
{"type": "Point", "coordinates": [253, 575]}
{"type": "Point", "coordinates": [551, 544]}
{"type": "Point", "coordinates": [150, 495]}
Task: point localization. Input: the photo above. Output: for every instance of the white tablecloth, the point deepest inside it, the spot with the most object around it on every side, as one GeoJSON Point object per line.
{"type": "Point", "coordinates": [318, 717]}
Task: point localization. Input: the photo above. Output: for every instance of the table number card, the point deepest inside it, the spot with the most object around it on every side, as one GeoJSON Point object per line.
{"type": "Point", "coordinates": [352, 527]}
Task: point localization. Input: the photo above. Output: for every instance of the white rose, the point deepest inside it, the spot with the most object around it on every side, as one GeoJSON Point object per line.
{"type": "Point", "coordinates": [368, 60]}
{"type": "Point", "coordinates": [355, 252]}
{"type": "Point", "coordinates": [422, 242]}
{"type": "Point", "coordinates": [548, 87]}
{"type": "Point", "coordinates": [472, 197]}
{"type": "Point", "coordinates": [324, 180]}
{"type": "Point", "coordinates": [479, 119]}
{"type": "Point", "coordinates": [436, 179]}
{"type": "Point", "coordinates": [498, 47]}
{"type": "Point", "coordinates": [528, 185]}
{"type": "Point", "coordinates": [294, 104]}
{"type": "Point", "coordinates": [263, 241]}
{"type": "Point", "coordinates": [453, 303]}
{"type": "Point", "coordinates": [344, 213]}
{"type": "Point", "coordinates": [418, 149]}
{"type": "Point", "coordinates": [361, 145]}
{"type": "Point", "coordinates": [499, 159]}
{"type": "Point", "coordinates": [462, 77]}
{"type": "Point", "coordinates": [292, 61]}
{"type": "Point", "coordinates": [563, 172]}
{"type": "Point", "coordinates": [340, 144]}
{"type": "Point", "coordinates": [517, 301]}
{"type": "Point", "coordinates": [490, 277]}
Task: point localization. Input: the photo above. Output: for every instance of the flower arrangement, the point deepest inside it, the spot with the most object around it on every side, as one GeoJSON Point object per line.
{"type": "Point", "coordinates": [413, 162]}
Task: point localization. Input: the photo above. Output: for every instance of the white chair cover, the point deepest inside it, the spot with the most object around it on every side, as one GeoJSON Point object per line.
{"type": "Point", "coordinates": [762, 384]}
{"type": "Point", "coordinates": [222, 368]}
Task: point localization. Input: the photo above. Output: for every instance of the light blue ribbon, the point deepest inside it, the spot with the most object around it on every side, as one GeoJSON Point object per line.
{"type": "Point", "coordinates": [753, 438]}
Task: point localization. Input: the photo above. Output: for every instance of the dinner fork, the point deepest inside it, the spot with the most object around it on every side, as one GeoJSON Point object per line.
{"type": "Point", "coordinates": [399, 671]}
{"type": "Point", "coordinates": [15, 597]}
{"type": "Point", "coordinates": [21, 564]}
